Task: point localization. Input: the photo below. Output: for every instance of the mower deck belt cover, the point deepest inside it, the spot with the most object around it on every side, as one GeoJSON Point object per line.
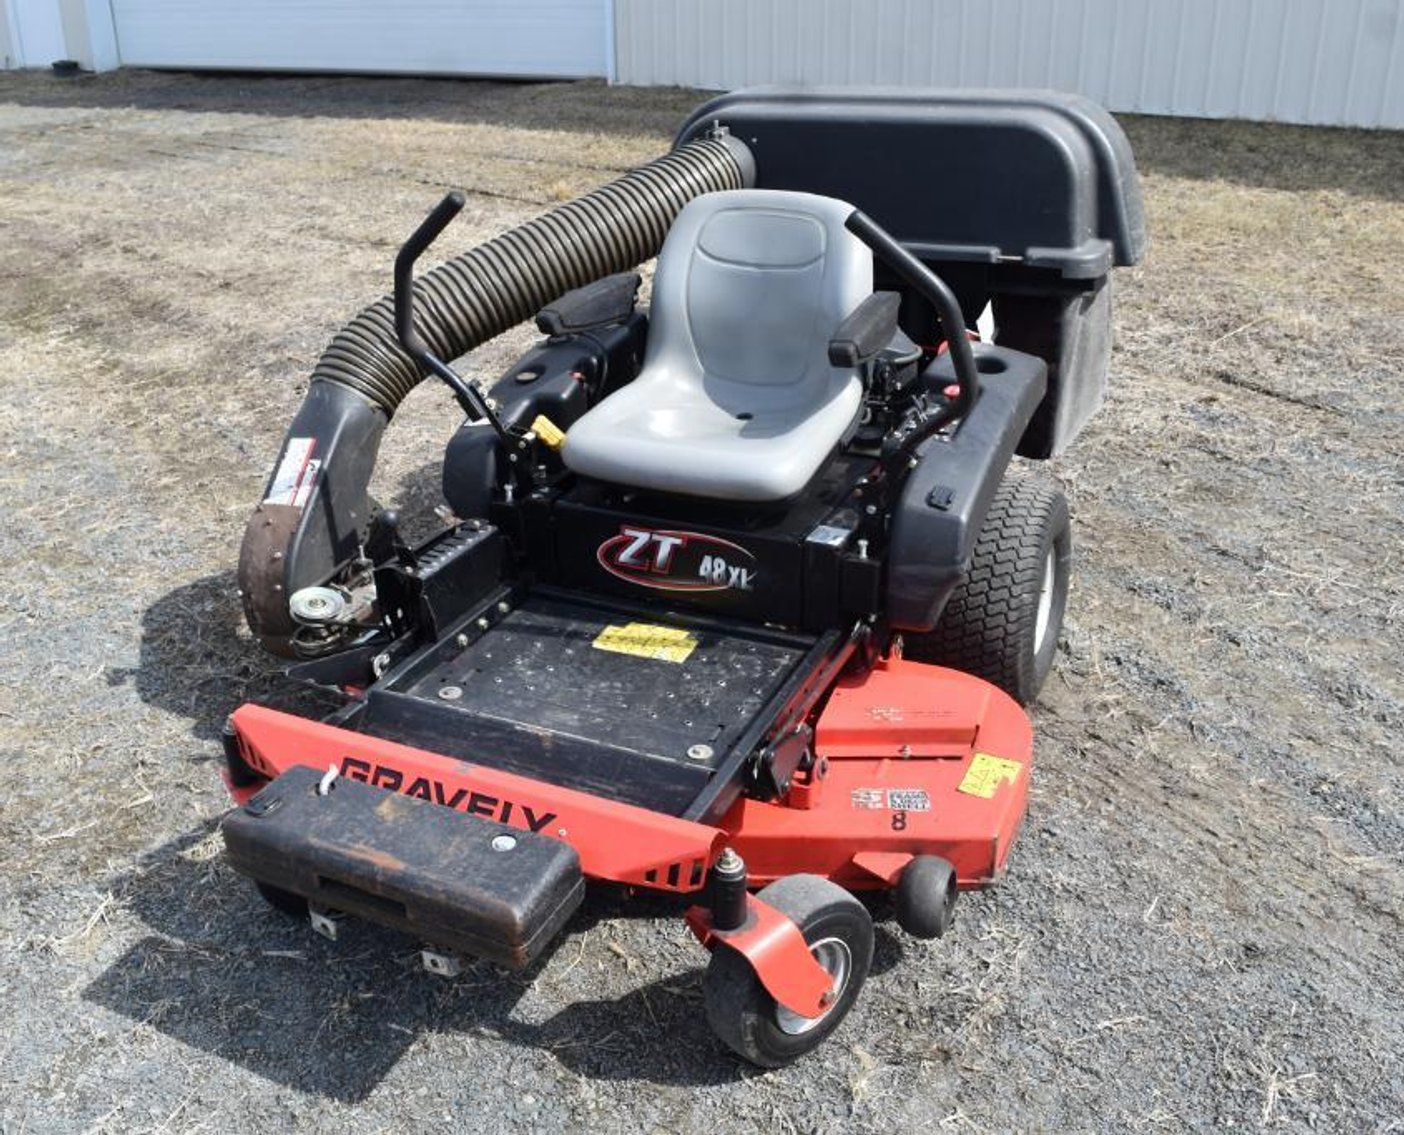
{"type": "Point", "coordinates": [461, 882]}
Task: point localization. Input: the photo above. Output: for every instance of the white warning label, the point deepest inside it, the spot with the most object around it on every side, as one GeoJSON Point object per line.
{"type": "Point", "coordinates": [297, 474]}
{"type": "Point", "coordinates": [908, 800]}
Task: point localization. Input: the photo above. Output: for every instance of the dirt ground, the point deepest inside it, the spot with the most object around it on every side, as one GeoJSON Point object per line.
{"type": "Point", "coordinates": [1201, 926]}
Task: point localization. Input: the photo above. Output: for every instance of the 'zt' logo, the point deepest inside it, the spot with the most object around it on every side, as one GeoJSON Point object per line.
{"type": "Point", "coordinates": [669, 560]}
{"type": "Point", "coordinates": [647, 550]}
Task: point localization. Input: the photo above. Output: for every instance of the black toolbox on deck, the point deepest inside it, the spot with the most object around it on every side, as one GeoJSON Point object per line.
{"type": "Point", "coordinates": [461, 882]}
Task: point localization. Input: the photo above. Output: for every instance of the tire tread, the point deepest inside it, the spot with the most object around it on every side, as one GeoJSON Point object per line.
{"type": "Point", "coordinates": [989, 620]}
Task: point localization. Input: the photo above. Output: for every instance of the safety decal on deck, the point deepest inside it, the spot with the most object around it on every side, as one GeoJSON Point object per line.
{"type": "Point", "coordinates": [892, 799]}
{"type": "Point", "coordinates": [647, 640]}
{"type": "Point", "coordinates": [908, 800]}
{"type": "Point", "coordinates": [296, 475]}
{"type": "Point", "coordinates": [986, 774]}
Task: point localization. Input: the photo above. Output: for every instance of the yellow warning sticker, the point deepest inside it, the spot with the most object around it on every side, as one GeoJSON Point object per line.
{"type": "Point", "coordinates": [986, 774]}
{"type": "Point", "coordinates": [647, 640]}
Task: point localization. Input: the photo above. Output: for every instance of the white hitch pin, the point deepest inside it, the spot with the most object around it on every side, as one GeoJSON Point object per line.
{"type": "Point", "coordinates": [328, 779]}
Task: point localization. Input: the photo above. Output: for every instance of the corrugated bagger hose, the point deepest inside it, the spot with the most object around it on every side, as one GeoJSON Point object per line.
{"type": "Point", "coordinates": [495, 286]}
{"type": "Point", "coordinates": [302, 538]}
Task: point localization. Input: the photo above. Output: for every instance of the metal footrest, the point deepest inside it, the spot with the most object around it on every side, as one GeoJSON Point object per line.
{"type": "Point", "coordinates": [441, 964]}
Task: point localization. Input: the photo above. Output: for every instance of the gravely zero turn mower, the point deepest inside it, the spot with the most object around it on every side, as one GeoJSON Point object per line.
{"type": "Point", "coordinates": [741, 597]}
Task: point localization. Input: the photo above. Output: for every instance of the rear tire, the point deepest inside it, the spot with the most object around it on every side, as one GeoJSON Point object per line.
{"type": "Point", "coordinates": [1003, 620]}
{"type": "Point", "coordinates": [839, 931]}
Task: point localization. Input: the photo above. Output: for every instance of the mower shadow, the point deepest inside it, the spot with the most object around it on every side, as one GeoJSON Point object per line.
{"type": "Point", "coordinates": [194, 663]}
{"type": "Point", "coordinates": [224, 973]}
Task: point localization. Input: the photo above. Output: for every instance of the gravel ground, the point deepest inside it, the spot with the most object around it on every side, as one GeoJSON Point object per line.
{"type": "Point", "coordinates": [1201, 925]}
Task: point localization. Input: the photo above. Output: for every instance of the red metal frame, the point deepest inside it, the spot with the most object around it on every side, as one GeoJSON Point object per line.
{"type": "Point", "coordinates": [892, 778]}
{"type": "Point", "coordinates": [617, 842]}
{"type": "Point", "coordinates": [777, 951]}
{"type": "Point", "coordinates": [893, 749]}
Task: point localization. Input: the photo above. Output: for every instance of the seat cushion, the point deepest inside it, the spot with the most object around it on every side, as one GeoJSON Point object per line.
{"type": "Point", "coordinates": [737, 399]}
{"type": "Point", "coordinates": [754, 294]}
{"type": "Point", "coordinates": [692, 443]}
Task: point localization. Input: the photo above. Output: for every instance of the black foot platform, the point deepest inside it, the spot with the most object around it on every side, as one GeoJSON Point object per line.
{"type": "Point", "coordinates": [621, 702]}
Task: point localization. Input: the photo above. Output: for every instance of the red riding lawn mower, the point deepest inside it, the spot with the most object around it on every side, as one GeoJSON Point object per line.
{"type": "Point", "coordinates": [739, 592]}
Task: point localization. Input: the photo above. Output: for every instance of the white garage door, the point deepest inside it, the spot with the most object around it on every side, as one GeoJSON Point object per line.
{"type": "Point", "coordinates": [555, 38]}
{"type": "Point", "coordinates": [35, 33]}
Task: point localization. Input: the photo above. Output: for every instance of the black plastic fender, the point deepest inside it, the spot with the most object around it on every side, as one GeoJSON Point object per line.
{"type": "Point", "coordinates": [463, 882]}
{"type": "Point", "coordinates": [938, 515]}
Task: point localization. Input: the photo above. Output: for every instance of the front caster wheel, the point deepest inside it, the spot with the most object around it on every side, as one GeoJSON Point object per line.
{"type": "Point", "coordinates": [839, 932]}
{"type": "Point", "coordinates": [926, 895]}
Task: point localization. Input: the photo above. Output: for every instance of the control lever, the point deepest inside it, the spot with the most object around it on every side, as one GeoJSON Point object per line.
{"type": "Point", "coordinates": [472, 401]}
{"type": "Point", "coordinates": [938, 294]}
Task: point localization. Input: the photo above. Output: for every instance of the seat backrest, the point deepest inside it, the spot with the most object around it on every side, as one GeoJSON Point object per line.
{"type": "Point", "coordinates": [750, 285]}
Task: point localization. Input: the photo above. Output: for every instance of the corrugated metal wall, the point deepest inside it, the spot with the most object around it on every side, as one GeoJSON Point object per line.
{"type": "Point", "coordinates": [1335, 62]}
{"type": "Point", "coordinates": [33, 33]}
{"type": "Point", "coordinates": [564, 38]}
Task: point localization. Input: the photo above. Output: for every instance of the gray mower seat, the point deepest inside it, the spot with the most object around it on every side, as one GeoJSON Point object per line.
{"type": "Point", "coordinates": [737, 399]}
